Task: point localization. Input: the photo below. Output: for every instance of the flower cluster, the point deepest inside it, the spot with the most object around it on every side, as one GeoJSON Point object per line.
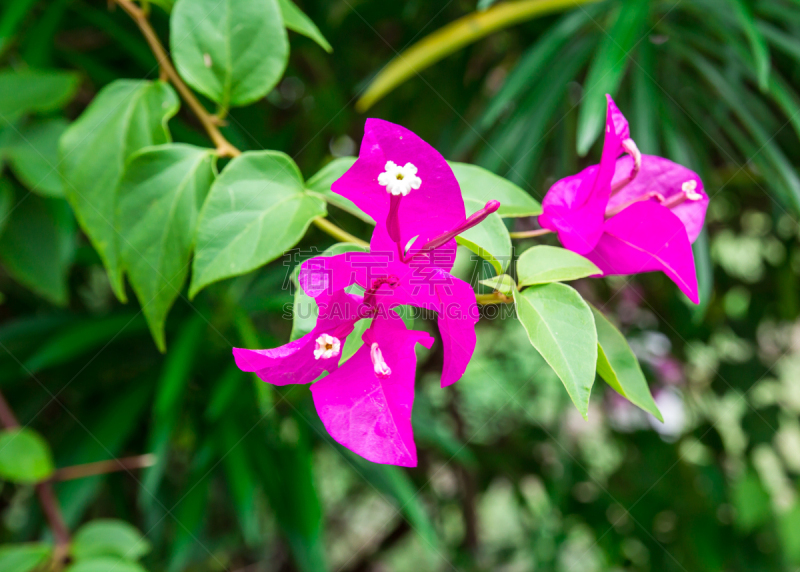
{"type": "Point", "coordinates": [365, 403]}
{"type": "Point", "coordinates": [630, 214]}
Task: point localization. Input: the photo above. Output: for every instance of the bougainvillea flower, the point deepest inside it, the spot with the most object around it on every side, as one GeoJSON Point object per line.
{"type": "Point", "coordinates": [630, 214]}
{"type": "Point", "coordinates": [365, 403]}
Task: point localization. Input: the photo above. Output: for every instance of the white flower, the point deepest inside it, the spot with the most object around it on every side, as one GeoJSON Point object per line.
{"type": "Point", "coordinates": [688, 189]}
{"type": "Point", "coordinates": [399, 180]}
{"type": "Point", "coordinates": [327, 347]}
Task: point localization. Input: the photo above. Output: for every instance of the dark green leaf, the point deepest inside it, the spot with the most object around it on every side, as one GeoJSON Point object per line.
{"type": "Point", "coordinates": [561, 327]}
{"type": "Point", "coordinates": [105, 564]}
{"type": "Point", "coordinates": [481, 185]}
{"type": "Point", "coordinates": [542, 264]}
{"type": "Point", "coordinates": [34, 91]}
{"type": "Point", "coordinates": [607, 68]}
{"type": "Point", "coordinates": [233, 51]}
{"type": "Point", "coordinates": [257, 209]}
{"type": "Point", "coordinates": [618, 366]}
{"type": "Point", "coordinates": [296, 20]}
{"type": "Point", "coordinates": [489, 240]}
{"type": "Point", "coordinates": [158, 202]}
{"type": "Point", "coordinates": [124, 117]}
{"type": "Point", "coordinates": [33, 156]}
{"type": "Point", "coordinates": [24, 456]}
{"type": "Point", "coordinates": [108, 537]}
{"type": "Point", "coordinates": [758, 44]}
{"type": "Point", "coordinates": [38, 244]}
{"type": "Point", "coordinates": [24, 557]}
{"type": "Point", "coordinates": [13, 15]}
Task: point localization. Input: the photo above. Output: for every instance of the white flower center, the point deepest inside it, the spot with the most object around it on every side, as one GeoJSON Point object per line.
{"type": "Point", "coordinates": [689, 189]}
{"type": "Point", "coordinates": [382, 369]}
{"type": "Point", "coordinates": [327, 347]}
{"type": "Point", "coordinates": [399, 180]}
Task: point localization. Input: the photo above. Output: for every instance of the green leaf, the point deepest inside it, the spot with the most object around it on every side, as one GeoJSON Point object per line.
{"type": "Point", "coordinates": [124, 117]}
{"type": "Point", "coordinates": [321, 184]}
{"type": "Point", "coordinates": [750, 500]}
{"type": "Point", "coordinates": [489, 240]}
{"type": "Point", "coordinates": [34, 91]}
{"type": "Point", "coordinates": [257, 208]}
{"type": "Point", "coordinates": [105, 564]}
{"type": "Point", "coordinates": [296, 20]}
{"type": "Point", "coordinates": [6, 202]}
{"type": "Point", "coordinates": [24, 456]}
{"type": "Point", "coordinates": [481, 185]}
{"type": "Point", "coordinates": [560, 325]}
{"type": "Point", "coordinates": [38, 244]}
{"type": "Point", "coordinates": [13, 15]}
{"type": "Point", "coordinates": [758, 45]}
{"type": "Point", "coordinates": [542, 264]}
{"type": "Point", "coordinates": [109, 537]}
{"type": "Point", "coordinates": [158, 202]}
{"type": "Point", "coordinates": [24, 557]}
{"type": "Point", "coordinates": [233, 51]}
{"type": "Point", "coordinates": [33, 156]}
{"type": "Point", "coordinates": [607, 68]}
{"type": "Point", "coordinates": [618, 366]}
{"type": "Point", "coordinates": [503, 283]}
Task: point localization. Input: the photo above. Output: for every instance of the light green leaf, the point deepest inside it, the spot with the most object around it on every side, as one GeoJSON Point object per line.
{"type": "Point", "coordinates": [124, 117]}
{"type": "Point", "coordinates": [24, 557]}
{"type": "Point", "coordinates": [109, 537]}
{"type": "Point", "coordinates": [489, 239]}
{"type": "Point", "coordinates": [296, 20]}
{"type": "Point", "coordinates": [542, 264]}
{"type": "Point", "coordinates": [38, 244]}
{"type": "Point", "coordinates": [322, 181]}
{"type": "Point", "coordinates": [34, 92]}
{"type": "Point", "coordinates": [618, 366]}
{"type": "Point", "coordinates": [33, 156]}
{"type": "Point", "coordinates": [481, 185]}
{"type": "Point", "coordinates": [233, 51]}
{"type": "Point", "coordinates": [503, 283]}
{"type": "Point", "coordinates": [24, 456]}
{"type": "Point", "coordinates": [105, 564]}
{"type": "Point", "coordinates": [561, 327]}
{"type": "Point", "coordinates": [256, 209]}
{"type": "Point", "coordinates": [607, 68]}
{"type": "Point", "coordinates": [158, 202]}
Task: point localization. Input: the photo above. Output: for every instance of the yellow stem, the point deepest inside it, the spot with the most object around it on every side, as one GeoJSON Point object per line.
{"type": "Point", "coordinates": [529, 233]}
{"type": "Point", "coordinates": [338, 233]}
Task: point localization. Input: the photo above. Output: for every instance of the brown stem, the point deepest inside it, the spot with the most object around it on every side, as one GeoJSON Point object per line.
{"type": "Point", "coordinates": [47, 497]}
{"type": "Point", "coordinates": [224, 147]}
{"type": "Point", "coordinates": [529, 233]}
{"type": "Point", "coordinates": [493, 298]}
{"type": "Point", "coordinates": [104, 467]}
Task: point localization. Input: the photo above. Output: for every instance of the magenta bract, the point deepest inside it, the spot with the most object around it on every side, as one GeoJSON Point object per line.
{"type": "Point", "coordinates": [630, 214]}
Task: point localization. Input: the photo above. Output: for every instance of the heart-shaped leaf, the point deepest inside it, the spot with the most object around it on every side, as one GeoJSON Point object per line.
{"type": "Point", "coordinates": [24, 456]}
{"type": "Point", "coordinates": [257, 208]}
{"type": "Point", "coordinates": [109, 537]}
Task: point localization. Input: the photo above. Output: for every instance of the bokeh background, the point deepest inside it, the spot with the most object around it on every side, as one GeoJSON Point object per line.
{"type": "Point", "coordinates": [511, 477]}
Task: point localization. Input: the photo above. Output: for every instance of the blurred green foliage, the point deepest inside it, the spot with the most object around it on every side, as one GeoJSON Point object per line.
{"type": "Point", "coordinates": [511, 477]}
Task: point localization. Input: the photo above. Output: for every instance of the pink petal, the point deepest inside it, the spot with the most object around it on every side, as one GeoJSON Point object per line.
{"type": "Point", "coordinates": [575, 206]}
{"type": "Point", "coordinates": [665, 177]}
{"type": "Point", "coordinates": [368, 414]}
{"type": "Point", "coordinates": [458, 315]}
{"type": "Point", "coordinates": [295, 361]}
{"type": "Point", "coordinates": [433, 209]}
{"type": "Point", "coordinates": [645, 237]}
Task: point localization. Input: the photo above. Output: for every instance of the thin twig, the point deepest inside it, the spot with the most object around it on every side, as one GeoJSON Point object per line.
{"type": "Point", "coordinates": [104, 467]}
{"type": "Point", "coordinates": [493, 298]}
{"type": "Point", "coordinates": [47, 497]}
{"type": "Point", "coordinates": [338, 233]}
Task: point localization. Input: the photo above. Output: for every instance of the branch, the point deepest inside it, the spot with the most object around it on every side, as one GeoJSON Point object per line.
{"type": "Point", "coordinates": [224, 147]}
{"type": "Point", "coordinates": [338, 233]}
{"type": "Point", "coordinates": [530, 233]}
{"type": "Point", "coordinates": [47, 497]}
{"type": "Point", "coordinates": [104, 467]}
